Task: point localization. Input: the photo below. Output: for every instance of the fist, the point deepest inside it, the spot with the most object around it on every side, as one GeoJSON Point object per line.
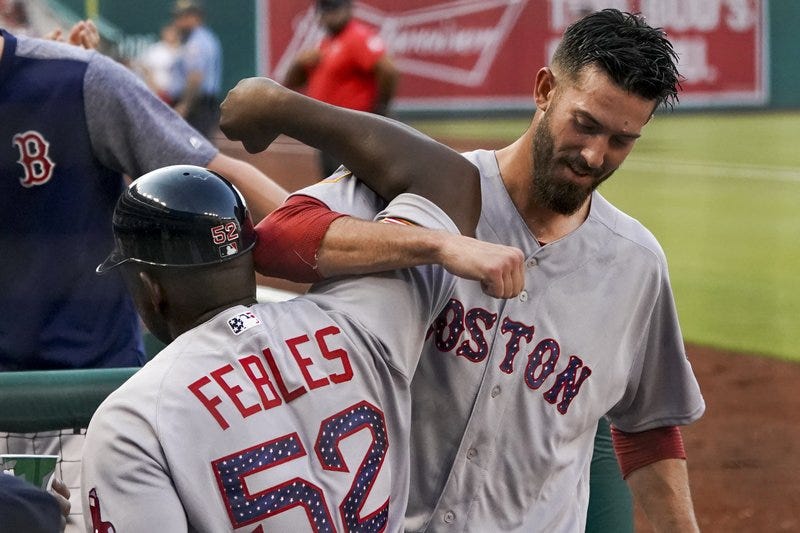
{"type": "Point", "coordinates": [247, 111]}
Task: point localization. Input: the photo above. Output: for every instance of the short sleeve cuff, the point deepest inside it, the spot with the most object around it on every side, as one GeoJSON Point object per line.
{"type": "Point", "coordinates": [419, 211]}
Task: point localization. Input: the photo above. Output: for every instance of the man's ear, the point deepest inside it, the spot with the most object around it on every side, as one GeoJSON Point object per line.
{"type": "Point", "coordinates": [544, 88]}
{"type": "Point", "coordinates": [153, 291]}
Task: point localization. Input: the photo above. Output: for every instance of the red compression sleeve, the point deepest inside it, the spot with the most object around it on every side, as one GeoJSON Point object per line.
{"type": "Point", "coordinates": [635, 450]}
{"type": "Point", "coordinates": [289, 238]}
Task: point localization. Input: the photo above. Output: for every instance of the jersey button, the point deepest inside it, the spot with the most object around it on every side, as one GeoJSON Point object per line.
{"type": "Point", "coordinates": [523, 296]}
{"type": "Point", "coordinates": [496, 391]}
{"type": "Point", "coordinates": [532, 262]}
{"type": "Point", "coordinates": [449, 517]}
{"type": "Point", "coordinates": [472, 453]}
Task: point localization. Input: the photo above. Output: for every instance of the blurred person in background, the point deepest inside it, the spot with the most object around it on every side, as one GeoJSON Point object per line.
{"type": "Point", "coordinates": [157, 64]}
{"type": "Point", "coordinates": [351, 67]}
{"type": "Point", "coordinates": [198, 69]}
{"type": "Point", "coordinates": [14, 17]}
{"type": "Point", "coordinates": [74, 124]}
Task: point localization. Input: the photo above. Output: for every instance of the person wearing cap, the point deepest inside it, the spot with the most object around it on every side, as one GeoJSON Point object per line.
{"type": "Point", "coordinates": [279, 416]}
{"type": "Point", "coordinates": [198, 70]}
{"type": "Point", "coordinates": [350, 68]}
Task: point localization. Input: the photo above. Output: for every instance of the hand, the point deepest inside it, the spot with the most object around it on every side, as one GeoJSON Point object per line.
{"type": "Point", "coordinates": [499, 268]}
{"type": "Point", "coordinates": [244, 114]}
{"type": "Point", "coordinates": [84, 34]}
{"type": "Point", "coordinates": [61, 493]}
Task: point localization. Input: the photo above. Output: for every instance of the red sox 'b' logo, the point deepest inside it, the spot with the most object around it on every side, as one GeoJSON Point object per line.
{"type": "Point", "coordinates": [34, 158]}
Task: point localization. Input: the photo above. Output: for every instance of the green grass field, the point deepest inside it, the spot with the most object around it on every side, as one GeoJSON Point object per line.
{"type": "Point", "coordinates": [721, 193]}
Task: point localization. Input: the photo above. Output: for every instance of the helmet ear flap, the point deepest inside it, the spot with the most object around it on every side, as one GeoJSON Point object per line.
{"type": "Point", "coordinates": [180, 215]}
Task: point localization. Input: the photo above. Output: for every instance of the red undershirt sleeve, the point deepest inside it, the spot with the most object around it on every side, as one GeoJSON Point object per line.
{"type": "Point", "coordinates": [635, 450]}
{"type": "Point", "coordinates": [289, 239]}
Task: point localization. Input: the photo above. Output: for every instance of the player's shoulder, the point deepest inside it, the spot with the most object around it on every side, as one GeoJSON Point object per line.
{"type": "Point", "coordinates": [626, 229]}
{"type": "Point", "coordinates": [45, 49]}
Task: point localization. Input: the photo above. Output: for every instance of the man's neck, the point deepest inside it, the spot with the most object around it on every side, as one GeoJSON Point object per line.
{"type": "Point", "coordinates": [516, 170]}
{"type": "Point", "coordinates": [2, 45]}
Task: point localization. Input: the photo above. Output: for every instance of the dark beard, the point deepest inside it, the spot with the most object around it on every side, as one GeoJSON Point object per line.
{"type": "Point", "coordinates": [560, 196]}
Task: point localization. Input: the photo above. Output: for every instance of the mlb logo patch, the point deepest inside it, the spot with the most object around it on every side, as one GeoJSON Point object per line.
{"type": "Point", "coordinates": [228, 250]}
{"type": "Point", "coordinates": [242, 322]}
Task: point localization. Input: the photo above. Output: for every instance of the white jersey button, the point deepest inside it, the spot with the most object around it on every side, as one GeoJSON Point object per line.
{"type": "Point", "coordinates": [449, 517]}
{"type": "Point", "coordinates": [523, 296]}
{"type": "Point", "coordinates": [532, 262]}
{"type": "Point", "coordinates": [472, 453]}
{"type": "Point", "coordinates": [496, 391]}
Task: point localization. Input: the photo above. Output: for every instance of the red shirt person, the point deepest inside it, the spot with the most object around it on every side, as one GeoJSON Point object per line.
{"type": "Point", "coordinates": [351, 67]}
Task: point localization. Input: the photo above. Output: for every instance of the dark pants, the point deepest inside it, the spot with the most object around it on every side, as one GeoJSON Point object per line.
{"type": "Point", "coordinates": [203, 115]}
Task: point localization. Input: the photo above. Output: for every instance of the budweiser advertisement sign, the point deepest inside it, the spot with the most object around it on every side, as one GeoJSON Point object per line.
{"type": "Point", "coordinates": [484, 53]}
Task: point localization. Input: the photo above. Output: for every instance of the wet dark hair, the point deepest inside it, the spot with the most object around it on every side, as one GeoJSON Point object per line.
{"type": "Point", "coordinates": [636, 56]}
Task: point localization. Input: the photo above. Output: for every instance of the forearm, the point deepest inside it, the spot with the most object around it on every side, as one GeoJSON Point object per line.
{"type": "Point", "coordinates": [386, 80]}
{"type": "Point", "coordinates": [305, 241]}
{"type": "Point", "coordinates": [662, 491]}
{"type": "Point", "coordinates": [191, 92]}
{"type": "Point", "coordinates": [261, 193]}
{"type": "Point", "coordinates": [296, 76]}
{"type": "Point", "coordinates": [379, 247]}
{"type": "Point", "coordinates": [390, 157]}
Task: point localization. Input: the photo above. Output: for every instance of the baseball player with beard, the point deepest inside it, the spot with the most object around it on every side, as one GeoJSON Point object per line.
{"type": "Point", "coordinates": [508, 393]}
{"type": "Point", "coordinates": [280, 416]}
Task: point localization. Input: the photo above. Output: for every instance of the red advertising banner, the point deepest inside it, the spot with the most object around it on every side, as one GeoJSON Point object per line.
{"type": "Point", "coordinates": [484, 54]}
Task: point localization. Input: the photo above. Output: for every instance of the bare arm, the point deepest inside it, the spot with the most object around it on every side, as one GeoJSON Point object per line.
{"type": "Point", "coordinates": [190, 93]}
{"type": "Point", "coordinates": [662, 490]}
{"type": "Point", "coordinates": [305, 241]}
{"type": "Point", "coordinates": [262, 194]}
{"type": "Point", "coordinates": [297, 75]}
{"type": "Point", "coordinates": [385, 247]}
{"type": "Point", "coordinates": [386, 76]}
{"type": "Point", "coordinates": [390, 157]}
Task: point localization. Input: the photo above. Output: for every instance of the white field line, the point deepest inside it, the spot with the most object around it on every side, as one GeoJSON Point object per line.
{"type": "Point", "coordinates": [714, 170]}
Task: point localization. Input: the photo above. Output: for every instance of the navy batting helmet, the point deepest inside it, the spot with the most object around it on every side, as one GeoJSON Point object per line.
{"type": "Point", "coordinates": [180, 215]}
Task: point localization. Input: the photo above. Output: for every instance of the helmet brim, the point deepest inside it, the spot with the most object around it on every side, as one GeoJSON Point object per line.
{"type": "Point", "coordinates": [114, 259]}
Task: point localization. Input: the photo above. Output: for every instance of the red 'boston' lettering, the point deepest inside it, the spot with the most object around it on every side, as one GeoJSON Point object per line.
{"type": "Point", "coordinates": [518, 331]}
{"type": "Point", "coordinates": [535, 363]}
{"type": "Point", "coordinates": [454, 325]}
{"type": "Point", "coordinates": [477, 333]}
{"type": "Point", "coordinates": [567, 383]}
{"type": "Point", "coordinates": [451, 323]}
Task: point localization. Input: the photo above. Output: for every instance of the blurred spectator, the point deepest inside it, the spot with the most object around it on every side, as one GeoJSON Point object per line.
{"type": "Point", "coordinates": [74, 122]}
{"type": "Point", "coordinates": [157, 63]}
{"type": "Point", "coordinates": [14, 17]}
{"type": "Point", "coordinates": [198, 69]}
{"type": "Point", "coordinates": [350, 68]}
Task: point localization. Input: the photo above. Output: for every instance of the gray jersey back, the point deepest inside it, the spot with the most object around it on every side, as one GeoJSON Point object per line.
{"type": "Point", "coordinates": [508, 393]}
{"type": "Point", "coordinates": [279, 415]}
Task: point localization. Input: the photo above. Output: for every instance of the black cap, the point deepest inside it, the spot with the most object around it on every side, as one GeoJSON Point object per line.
{"type": "Point", "coordinates": [330, 5]}
{"type": "Point", "coordinates": [180, 215]}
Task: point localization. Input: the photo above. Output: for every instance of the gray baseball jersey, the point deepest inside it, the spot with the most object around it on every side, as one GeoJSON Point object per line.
{"type": "Point", "coordinates": [508, 393]}
{"type": "Point", "coordinates": [290, 416]}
